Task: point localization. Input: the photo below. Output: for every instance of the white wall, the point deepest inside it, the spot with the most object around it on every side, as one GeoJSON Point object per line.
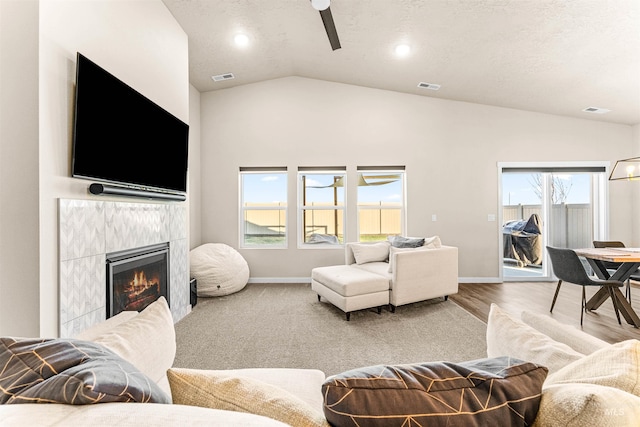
{"type": "Point", "coordinates": [194, 190]}
{"type": "Point", "coordinates": [138, 41]}
{"type": "Point", "coordinates": [450, 149]}
{"type": "Point", "coordinates": [635, 190]}
{"type": "Point", "coordinates": [19, 267]}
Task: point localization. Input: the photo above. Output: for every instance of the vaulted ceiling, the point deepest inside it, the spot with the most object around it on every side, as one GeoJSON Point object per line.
{"type": "Point", "coordinates": [549, 56]}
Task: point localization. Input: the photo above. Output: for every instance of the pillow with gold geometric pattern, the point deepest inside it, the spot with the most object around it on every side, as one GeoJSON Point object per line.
{"type": "Point", "coordinates": [70, 371]}
{"type": "Point", "coordinates": [484, 392]}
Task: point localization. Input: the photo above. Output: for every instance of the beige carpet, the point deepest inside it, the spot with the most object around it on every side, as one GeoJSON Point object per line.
{"type": "Point", "coordinates": [284, 325]}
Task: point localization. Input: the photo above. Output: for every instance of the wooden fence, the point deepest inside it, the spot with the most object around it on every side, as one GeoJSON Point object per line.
{"type": "Point", "coordinates": [378, 219]}
{"type": "Point", "coordinates": [572, 223]}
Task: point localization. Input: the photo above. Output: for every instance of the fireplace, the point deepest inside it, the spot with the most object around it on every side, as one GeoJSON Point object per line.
{"type": "Point", "coordinates": [136, 278]}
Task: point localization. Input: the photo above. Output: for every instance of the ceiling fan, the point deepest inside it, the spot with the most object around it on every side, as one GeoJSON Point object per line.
{"type": "Point", "coordinates": [327, 20]}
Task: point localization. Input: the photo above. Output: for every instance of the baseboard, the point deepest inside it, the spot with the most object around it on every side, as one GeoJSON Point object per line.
{"type": "Point", "coordinates": [479, 280]}
{"type": "Point", "coordinates": [308, 280]}
{"type": "Point", "coordinates": [280, 280]}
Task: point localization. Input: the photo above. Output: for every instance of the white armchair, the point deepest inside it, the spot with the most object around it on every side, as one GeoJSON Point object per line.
{"type": "Point", "coordinates": [414, 274]}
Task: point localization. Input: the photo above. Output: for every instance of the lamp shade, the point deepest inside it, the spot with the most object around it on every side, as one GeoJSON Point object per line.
{"type": "Point", "coordinates": [628, 169]}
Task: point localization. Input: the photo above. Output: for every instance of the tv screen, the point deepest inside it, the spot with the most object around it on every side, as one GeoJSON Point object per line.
{"type": "Point", "coordinates": [120, 136]}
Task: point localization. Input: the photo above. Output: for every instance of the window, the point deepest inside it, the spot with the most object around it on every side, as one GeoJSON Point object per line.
{"type": "Point", "coordinates": [380, 203]}
{"type": "Point", "coordinates": [566, 199]}
{"type": "Point", "coordinates": [321, 204]}
{"type": "Point", "coordinates": [263, 207]}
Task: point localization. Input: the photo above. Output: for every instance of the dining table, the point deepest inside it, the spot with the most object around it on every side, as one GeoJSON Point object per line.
{"type": "Point", "coordinates": [629, 261]}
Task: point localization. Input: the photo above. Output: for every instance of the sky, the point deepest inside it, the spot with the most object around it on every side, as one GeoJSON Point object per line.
{"type": "Point", "coordinates": [265, 188]}
{"type": "Point", "coordinates": [517, 188]}
{"type": "Point", "coordinates": [269, 188]}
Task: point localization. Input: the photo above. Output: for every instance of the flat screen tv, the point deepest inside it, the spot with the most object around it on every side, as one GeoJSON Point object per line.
{"type": "Point", "coordinates": [122, 137]}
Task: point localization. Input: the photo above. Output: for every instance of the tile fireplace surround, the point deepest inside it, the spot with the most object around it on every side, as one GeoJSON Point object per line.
{"type": "Point", "coordinates": [88, 230]}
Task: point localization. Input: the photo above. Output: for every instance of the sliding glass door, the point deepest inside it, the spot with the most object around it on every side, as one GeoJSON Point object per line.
{"type": "Point", "coordinates": [545, 205]}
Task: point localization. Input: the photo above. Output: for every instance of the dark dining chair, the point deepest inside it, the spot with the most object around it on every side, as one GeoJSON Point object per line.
{"type": "Point", "coordinates": [568, 268]}
{"type": "Point", "coordinates": [615, 265]}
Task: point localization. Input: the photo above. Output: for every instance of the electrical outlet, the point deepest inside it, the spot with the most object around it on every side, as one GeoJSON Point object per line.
{"type": "Point", "coordinates": [434, 217]}
{"type": "Point", "coordinates": [491, 217]}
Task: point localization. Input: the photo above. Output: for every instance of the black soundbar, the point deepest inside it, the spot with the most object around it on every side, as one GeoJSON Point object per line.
{"type": "Point", "coordinates": [102, 189]}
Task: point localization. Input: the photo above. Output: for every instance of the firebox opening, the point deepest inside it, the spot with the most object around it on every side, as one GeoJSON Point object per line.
{"type": "Point", "coordinates": [136, 278]}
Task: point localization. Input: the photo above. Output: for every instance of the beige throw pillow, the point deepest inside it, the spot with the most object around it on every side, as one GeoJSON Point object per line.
{"type": "Point", "coordinates": [148, 340]}
{"type": "Point", "coordinates": [508, 336]}
{"type": "Point", "coordinates": [216, 390]}
{"type": "Point", "coordinates": [567, 334]}
{"type": "Point", "coordinates": [370, 252]}
{"type": "Point", "coordinates": [578, 405]}
{"type": "Point", "coordinates": [432, 242]}
{"type": "Point", "coordinates": [616, 366]}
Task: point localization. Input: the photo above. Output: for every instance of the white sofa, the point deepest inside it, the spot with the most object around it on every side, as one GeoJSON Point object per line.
{"type": "Point", "coordinates": [147, 340]}
{"type": "Point", "coordinates": [414, 274]}
{"type": "Point", "coordinates": [590, 382]}
{"type": "Point", "coordinates": [408, 275]}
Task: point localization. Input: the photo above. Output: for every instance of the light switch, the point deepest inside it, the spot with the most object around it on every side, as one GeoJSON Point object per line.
{"type": "Point", "coordinates": [491, 217]}
{"type": "Point", "coordinates": [434, 217]}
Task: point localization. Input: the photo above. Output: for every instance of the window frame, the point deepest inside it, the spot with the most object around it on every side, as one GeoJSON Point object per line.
{"type": "Point", "coordinates": [599, 201]}
{"type": "Point", "coordinates": [301, 208]}
{"type": "Point", "coordinates": [401, 170]}
{"type": "Point", "coordinates": [242, 209]}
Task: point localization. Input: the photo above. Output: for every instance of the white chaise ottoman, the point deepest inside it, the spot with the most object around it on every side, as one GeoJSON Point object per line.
{"type": "Point", "coordinates": [350, 288]}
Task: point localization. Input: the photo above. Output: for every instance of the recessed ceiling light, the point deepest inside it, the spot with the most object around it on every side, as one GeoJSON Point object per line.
{"type": "Point", "coordinates": [596, 110]}
{"type": "Point", "coordinates": [402, 49]}
{"type": "Point", "coordinates": [241, 40]}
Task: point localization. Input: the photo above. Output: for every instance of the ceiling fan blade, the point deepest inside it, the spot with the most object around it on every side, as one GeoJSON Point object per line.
{"type": "Point", "coordinates": [330, 27]}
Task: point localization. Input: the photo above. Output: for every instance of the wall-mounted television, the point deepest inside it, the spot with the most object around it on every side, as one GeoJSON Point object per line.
{"type": "Point", "coordinates": [122, 137]}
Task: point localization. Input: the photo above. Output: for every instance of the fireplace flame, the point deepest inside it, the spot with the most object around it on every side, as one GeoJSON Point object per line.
{"type": "Point", "coordinates": [139, 279]}
{"type": "Point", "coordinates": [140, 283]}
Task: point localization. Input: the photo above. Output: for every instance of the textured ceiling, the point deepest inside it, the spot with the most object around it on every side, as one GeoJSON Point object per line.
{"type": "Point", "coordinates": [549, 56]}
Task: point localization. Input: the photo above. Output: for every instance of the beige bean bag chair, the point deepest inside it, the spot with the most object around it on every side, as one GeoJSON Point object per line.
{"type": "Point", "coordinates": [219, 269]}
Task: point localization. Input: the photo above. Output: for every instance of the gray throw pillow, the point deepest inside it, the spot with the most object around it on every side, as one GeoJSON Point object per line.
{"type": "Point", "coordinates": [405, 242]}
{"type": "Point", "coordinates": [70, 371]}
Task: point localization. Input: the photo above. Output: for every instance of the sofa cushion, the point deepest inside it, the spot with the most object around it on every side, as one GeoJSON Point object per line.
{"type": "Point", "coordinates": [370, 252]}
{"type": "Point", "coordinates": [508, 336]}
{"type": "Point", "coordinates": [349, 280]}
{"type": "Point", "coordinates": [405, 242]}
{"type": "Point", "coordinates": [570, 335]}
{"type": "Point", "coordinates": [379, 268]}
{"type": "Point", "coordinates": [617, 366]}
{"type": "Point", "coordinates": [501, 391]}
{"type": "Point", "coordinates": [577, 405]}
{"type": "Point", "coordinates": [70, 371]}
{"type": "Point", "coordinates": [126, 415]}
{"type": "Point", "coordinates": [147, 340]}
{"type": "Point", "coordinates": [220, 390]}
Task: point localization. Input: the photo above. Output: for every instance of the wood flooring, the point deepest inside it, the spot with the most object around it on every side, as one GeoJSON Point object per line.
{"type": "Point", "coordinates": [514, 297]}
